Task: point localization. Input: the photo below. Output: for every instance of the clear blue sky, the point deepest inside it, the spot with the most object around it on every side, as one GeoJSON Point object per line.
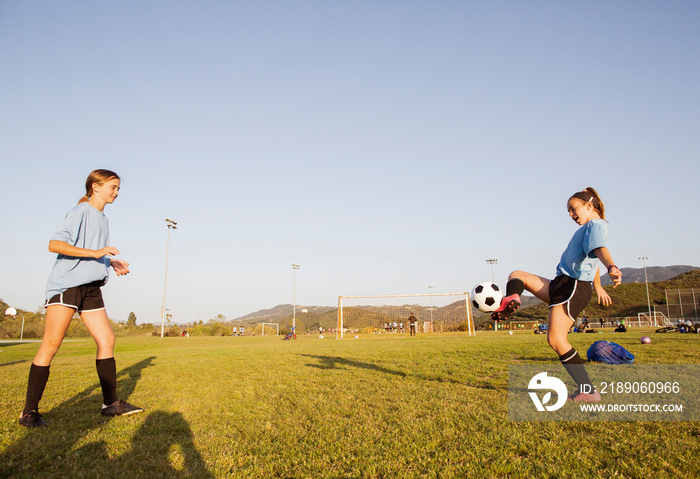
{"type": "Point", "coordinates": [383, 146]}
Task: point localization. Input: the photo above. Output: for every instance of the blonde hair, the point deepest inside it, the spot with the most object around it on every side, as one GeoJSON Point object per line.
{"type": "Point", "coordinates": [591, 195]}
{"type": "Point", "coordinates": [97, 177]}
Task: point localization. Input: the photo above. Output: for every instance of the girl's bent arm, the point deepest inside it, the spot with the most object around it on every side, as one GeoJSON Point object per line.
{"type": "Point", "coordinates": [606, 258]}
{"type": "Point", "coordinates": [603, 296]}
{"type": "Point", "coordinates": [61, 247]}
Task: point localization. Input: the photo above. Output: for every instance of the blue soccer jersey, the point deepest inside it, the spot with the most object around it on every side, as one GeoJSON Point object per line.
{"type": "Point", "coordinates": [579, 260]}
{"type": "Point", "coordinates": [84, 227]}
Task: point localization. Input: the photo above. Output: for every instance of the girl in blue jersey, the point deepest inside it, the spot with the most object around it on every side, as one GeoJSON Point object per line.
{"type": "Point", "coordinates": [570, 291]}
{"type": "Point", "coordinates": [81, 268]}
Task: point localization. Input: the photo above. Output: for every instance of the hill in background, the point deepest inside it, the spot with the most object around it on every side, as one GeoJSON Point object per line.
{"type": "Point", "coordinates": [653, 273]}
{"type": "Point", "coordinates": [307, 317]}
{"type": "Point", "coordinates": [281, 311]}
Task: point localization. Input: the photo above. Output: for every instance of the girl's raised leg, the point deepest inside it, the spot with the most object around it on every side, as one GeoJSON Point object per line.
{"type": "Point", "coordinates": [519, 281]}
{"type": "Point", "coordinates": [537, 285]}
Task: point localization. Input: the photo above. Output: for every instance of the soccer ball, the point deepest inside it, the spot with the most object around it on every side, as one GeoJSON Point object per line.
{"type": "Point", "coordinates": [646, 340]}
{"type": "Point", "coordinates": [486, 297]}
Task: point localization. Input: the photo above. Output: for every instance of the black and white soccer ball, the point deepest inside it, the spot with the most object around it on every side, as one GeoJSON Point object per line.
{"type": "Point", "coordinates": [486, 297]}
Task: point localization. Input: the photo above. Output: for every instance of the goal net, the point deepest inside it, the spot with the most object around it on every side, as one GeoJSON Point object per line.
{"type": "Point", "coordinates": [272, 328]}
{"type": "Point", "coordinates": [656, 319]}
{"type": "Point", "coordinates": [388, 314]}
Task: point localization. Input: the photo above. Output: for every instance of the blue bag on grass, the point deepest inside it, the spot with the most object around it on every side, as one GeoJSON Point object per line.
{"type": "Point", "coordinates": [609, 353]}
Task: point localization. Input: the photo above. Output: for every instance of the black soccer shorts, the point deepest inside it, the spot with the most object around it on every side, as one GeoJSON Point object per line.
{"type": "Point", "coordinates": [571, 293]}
{"type": "Point", "coordinates": [86, 297]}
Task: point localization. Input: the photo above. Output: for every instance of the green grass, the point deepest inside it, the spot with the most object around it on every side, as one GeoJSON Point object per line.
{"type": "Point", "coordinates": [384, 407]}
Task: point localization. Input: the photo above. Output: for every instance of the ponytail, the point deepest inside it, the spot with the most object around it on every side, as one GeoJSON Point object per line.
{"type": "Point", "coordinates": [98, 177]}
{"type": "Point", "coordinates": [591, 195]}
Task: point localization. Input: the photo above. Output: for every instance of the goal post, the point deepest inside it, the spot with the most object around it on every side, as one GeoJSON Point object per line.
{"type": "Point", "coordinates": [271, 324]}
{"type": "Point", "coordinates": [386, 314]}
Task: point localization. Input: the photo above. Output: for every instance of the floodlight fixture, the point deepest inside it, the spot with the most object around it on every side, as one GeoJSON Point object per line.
{"type": "Point", "coordinates": [492, 261]}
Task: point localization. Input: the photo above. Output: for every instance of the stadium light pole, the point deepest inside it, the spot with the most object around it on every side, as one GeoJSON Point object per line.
{"type": "Point", "coordinates": [295, 267]}
{"type": "Point", "coordinates": [492, 262]}
{"type": "Point", "coordinates": [13, 312]}
{"type": "Point", "coordinates": [171, 224]}
{"type": "Point", "coordinates": [646, 281]}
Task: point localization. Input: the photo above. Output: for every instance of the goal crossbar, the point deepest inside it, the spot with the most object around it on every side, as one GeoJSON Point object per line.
{"type": "Point", "coordinates": [403, 295]}
{"type": "Point", "coordinates": [467, 317]}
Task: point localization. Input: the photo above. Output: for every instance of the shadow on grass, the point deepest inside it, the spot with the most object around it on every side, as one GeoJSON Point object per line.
{"type": "Point", "coordinates": [533, 359]}
{"type": "Point", "coordinates": [337, 362]}
{"type": "Point", "coordinates": [485, 385]}
{"type": "Point", "coordinates": [163, 445]}
{"type": "Point", "coordinates": [11, 343]}
{"type": "Point", "coordinates": [14, 362]}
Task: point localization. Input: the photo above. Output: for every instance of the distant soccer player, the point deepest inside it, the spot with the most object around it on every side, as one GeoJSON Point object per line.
{"type": "Point", "coordinates": [570, 291]}
{"type": "Point", "coordinates": [412, 321]}
{"type": "Point", "coordinates": [82, 267]}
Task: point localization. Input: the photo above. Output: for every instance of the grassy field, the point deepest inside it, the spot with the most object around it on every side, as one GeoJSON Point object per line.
{"type": "Point", "coordinates": [381, 407]}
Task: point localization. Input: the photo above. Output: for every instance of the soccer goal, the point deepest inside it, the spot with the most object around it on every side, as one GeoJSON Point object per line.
{"type": "Point", "coordinates": [656, 320]}
{"type": "Point", "coordinates": [388, 314]}
{"type": "Point", "coordinates": [271, 326]}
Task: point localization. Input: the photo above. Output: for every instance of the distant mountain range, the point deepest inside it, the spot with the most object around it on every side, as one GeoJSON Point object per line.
{"type": "Point", "coordinates": [654, 273]}
{"type": "Point", "coordinates": [282, 311]}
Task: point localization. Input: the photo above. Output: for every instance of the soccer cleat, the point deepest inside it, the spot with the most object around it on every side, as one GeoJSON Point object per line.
{"type": "Point", "coordinates": [508, 306]}
{"type": "Point", "coordinates": [32, 419]}
{"type": "Point", "coordinates": [120, 408]}
{"type": "Point", "coordinates": [585, 397]}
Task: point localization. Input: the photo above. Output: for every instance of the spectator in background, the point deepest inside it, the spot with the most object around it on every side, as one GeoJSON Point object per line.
{"type": "Point", "coordinates": [412, 323]}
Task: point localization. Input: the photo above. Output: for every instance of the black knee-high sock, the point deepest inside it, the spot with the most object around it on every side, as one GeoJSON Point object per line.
{"type": "Point", "coordinates": [515, 286]}
{"type": "Point", "coordinates": [38, 377]}
{"type": "Point", "coordinates": [107, 372]}
{"type": "Point", "coordinates": [573, 364]}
